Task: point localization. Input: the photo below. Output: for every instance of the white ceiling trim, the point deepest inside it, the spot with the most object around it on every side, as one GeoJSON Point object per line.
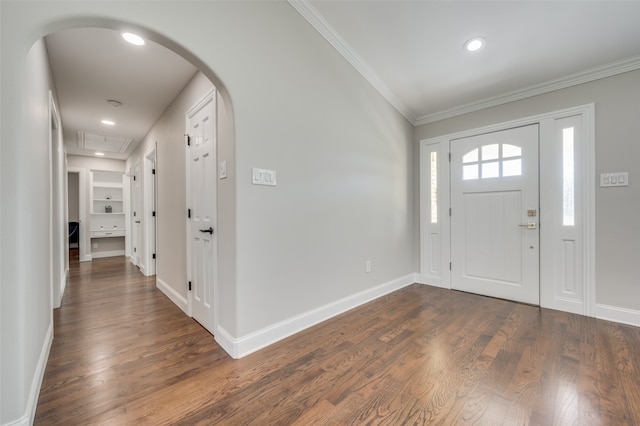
{"type": "Point", "coordinates": [107, 144]}
{"type": "Point", "coordinates": [315, 19]}
{"type": "Point", "coordinates": [539, 89]}
{"type": "Point", "coordinates": [311, 15]}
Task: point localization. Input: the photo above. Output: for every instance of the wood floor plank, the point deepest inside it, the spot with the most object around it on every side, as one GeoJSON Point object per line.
{"type": "Point", "coordinates": [123, 354]}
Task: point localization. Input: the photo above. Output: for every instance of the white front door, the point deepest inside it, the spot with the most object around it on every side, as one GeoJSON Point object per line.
{"type": "Point", "coordinates": [495, 214]}
{"type": "Point", "coordinates": [201, 199]}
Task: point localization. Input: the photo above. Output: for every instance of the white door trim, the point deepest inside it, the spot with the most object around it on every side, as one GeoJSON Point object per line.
{"type": "Point", "coordinates": [84, 236]}
{"type": "Point", "coordinates": [208, 97]}
{"type": "Point", "coordinates": [58, 230]}
{"type": "Point", "coordinates": [136, 198]}
{"type": "Point", "coordinates": [149, 206]}
{"type": "Point", "coordinates": [550, 293]}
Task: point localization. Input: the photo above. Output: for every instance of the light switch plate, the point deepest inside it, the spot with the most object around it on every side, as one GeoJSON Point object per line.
{"type": "Point", "coordinates": [263, 177]}
{"type": "Point", "coordinates": [222, 170]}
{"type": "Point", "coordinates": [614, 179]}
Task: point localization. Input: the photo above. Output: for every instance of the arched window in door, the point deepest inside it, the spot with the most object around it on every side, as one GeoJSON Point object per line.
{"type": "Point", "coordinates": [492, 161]}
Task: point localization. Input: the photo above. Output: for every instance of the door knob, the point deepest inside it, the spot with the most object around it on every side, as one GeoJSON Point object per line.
{"type": "Point", "coordinates": [210, 230]}
{"type": "Point", "coordinates": [530, 225]}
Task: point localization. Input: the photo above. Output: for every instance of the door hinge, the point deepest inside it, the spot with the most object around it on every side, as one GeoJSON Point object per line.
{"type": "Point", "coordinates": [153, 256]}
{"type": "Point", "coordinates": [153, 171]}
{"type": "Point", "coordinates": [449, 211]}
{"type": "Point", "coordinates": [153, 214]}
{"type": "Point", "coordinates": [449, 157]}
{"type": "Point", "coordinates": [135, 250]}
{"type": "Point", "coordinates": [450, 266]}
{"type": "Point", "coordinates": [188, 140]}
{"type": "Point", "coordinates": [134, 177]}
{"type": "Point", "coordinates": [134, 214]}
{"type": "Point", "coordinates": [189, 285]}
{"type": "Point", "coordinates": [188, 213]}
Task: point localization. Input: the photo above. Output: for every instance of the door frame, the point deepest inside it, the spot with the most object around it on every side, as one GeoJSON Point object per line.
{"type": "Point", "coordinates": [136, 198]}
{"type": "Point", "coordinates": [435, 238]}
{"type": "Point", "coordinates": [210, 96]}
{"type": "Point", "coordinates": [85, 255]}
{"type": "Point", "coordinates": [58, 219]}
{"type": "Point", "coordinates": [149, 184]}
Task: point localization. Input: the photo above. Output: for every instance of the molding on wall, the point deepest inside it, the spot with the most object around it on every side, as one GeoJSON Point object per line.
{"type": "Point", "coordinates": [173, 295]}
{"type": "Point", "coordinates": [100, 254]}
{"type": "Point", "coordinates": [592, 74]}
{"type": "Point", "coordinates": [618, 314]}
{"type": "Point", "coordinates": [226, 341]}
{"type": "Point", "coordinates": [36, 383]}
{"type": "Point", "coordinates": [317, 21]}
{"type": "Point", "coordinates": [243, 346]}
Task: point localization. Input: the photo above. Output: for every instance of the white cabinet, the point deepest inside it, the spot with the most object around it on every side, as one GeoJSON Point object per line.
{"type": "Point", "coordinates": [107, 208]}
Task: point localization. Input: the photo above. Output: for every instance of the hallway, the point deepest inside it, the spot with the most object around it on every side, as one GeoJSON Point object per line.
{"type": "Point", "coordinates": [123, 354]}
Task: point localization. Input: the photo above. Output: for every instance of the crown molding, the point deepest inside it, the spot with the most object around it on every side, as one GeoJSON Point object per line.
{"type": "Point", "coordinates": [539, 89]}
{"type": "Point", "coordinates": [592, 74]}
{"type": "Point", "coordinates": [313, 17]}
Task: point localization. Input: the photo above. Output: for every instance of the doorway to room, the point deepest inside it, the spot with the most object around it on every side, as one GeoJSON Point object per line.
{"type": "Point", "coordinates": [484, 235]}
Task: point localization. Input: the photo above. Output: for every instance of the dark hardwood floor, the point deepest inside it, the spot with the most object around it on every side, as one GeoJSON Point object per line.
{"type": "Point", "coordinates": [123, 354]}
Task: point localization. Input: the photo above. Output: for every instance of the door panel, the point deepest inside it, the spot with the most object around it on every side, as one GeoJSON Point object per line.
{"type": "Point", "coordinates": [202, 203]}
{"type": "Point", "coordinates": [494, 198]}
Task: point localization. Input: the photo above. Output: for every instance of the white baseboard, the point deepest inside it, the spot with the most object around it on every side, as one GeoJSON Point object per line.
{"type": "Point", "coordinates": [36, 382]}
{"type": "Point", "coordinates": [243, 346]}
{"type": "Point", "coordinates": [617, 314]}
{"type": "Point", "coordinates": [100, 254]}
{"type": "Point", "coordinates": [173, 295]}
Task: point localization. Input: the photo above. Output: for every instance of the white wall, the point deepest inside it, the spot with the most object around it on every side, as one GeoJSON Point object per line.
{"type": "Point", "coordinates": [342, 154]}
{"type": "Point", "coordinates": [25, 290]}
{"type": "Point", "coordinates": [617, 102]}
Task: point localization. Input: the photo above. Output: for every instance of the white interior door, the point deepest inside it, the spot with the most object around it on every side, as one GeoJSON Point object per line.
{"type": "Point", "coordinates": [136, 215]}
{"type": "Point", "coordinates": [494, 218]}
{"type": "Point", "coordinates": [202, 204]}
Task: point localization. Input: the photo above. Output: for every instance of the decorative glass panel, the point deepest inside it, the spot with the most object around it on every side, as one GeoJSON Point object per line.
{"type": "Point", "coordinates": [470, 172]}
{"type": "Point", "coordinates": [470, 157]}
{"type": "Point", "coordinates": [434, 187]}
{"type": "Point", "coordinates": [490, 170]}
{"type": "Point", "coordinates": [490, 152]}
{"type": "Point", "coordinates": [568, 186]}
{"type": "Point", "coordinates": [509, 151]}
{"type": "Point", "coordinates": [512, 167]}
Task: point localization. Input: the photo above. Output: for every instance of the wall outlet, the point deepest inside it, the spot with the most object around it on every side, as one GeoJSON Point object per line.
{"type": "Point", "coordinates": [367, 266]}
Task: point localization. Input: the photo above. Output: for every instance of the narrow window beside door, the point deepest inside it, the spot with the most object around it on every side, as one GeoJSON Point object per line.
{"type": "Point", "coordinates": [434, 187]}
{"type": "Point", "coordinates": [568, 185]}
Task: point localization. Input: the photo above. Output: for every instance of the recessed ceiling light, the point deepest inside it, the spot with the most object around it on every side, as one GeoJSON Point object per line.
{"type": "Point", "coordinates": [474, 44]}
{"type": "Point", "coordinates": [108, 122]}
{"type": "Point", "coordinates": [133, 38]}
{"type": "Point", "coordinates": [100, 154]}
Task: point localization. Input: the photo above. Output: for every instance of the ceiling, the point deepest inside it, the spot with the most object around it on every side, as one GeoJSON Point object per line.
{"type": "Point", "coordinates": [411, 51]}
{"type": "Point", "coordinates": [91, 66]}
